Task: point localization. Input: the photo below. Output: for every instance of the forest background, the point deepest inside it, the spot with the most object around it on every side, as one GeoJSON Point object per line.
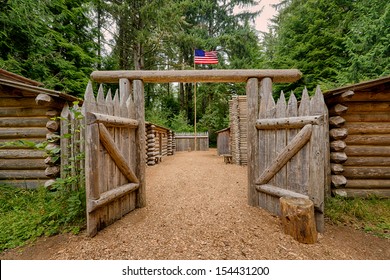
{"type": "Point", "coordinates": [60, 42]}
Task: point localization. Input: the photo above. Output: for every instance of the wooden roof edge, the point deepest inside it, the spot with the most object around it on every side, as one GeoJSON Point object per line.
{"type": "Point", "coordinates": [158, 126]}
{"type": "Point", "coordinates": [16, 77]}
{"type": "Point", "coordinates": [39, 90]}
{"type": "Point", "coordinates": [222, 130]}
{"type": "Point", "coordinates": [357, 86]}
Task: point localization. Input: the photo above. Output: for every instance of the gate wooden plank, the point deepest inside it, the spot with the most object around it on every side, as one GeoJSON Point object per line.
{"type": "Point", "coordinates": [124, 93]}
{"type": "Point", "coordinates": [116, 155]}
{"type": "Point", "coordinates": [281, 140]}
{"type": "Point", "coordinates": [304, 154]}
{"type": "Point", "coordinates": [252, 92]}
{"type": "Point", "coordinates": [292, 111]}
{"type": "Point", "coordinates": [140, 141]}
{"type": "Point", "coordinates": [294, 146]}
{"type": "Point", "coordinates": [102, 213]}
{"type": "Point", "coordinates": [265, 92]}
{"type": "Point", "coordinates": [317, 181]}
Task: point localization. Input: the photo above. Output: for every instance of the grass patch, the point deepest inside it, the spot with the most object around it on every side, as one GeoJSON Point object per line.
{"type": "Point", "coordinates": [369, 214]}
{"type": "Point", "coordinates": [27, 214]}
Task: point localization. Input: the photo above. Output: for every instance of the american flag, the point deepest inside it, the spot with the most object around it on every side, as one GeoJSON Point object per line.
{"type": "Point", "coordinates": [203, 57]}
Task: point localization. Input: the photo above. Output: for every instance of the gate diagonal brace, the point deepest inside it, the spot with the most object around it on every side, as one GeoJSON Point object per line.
{"type": "Point", "coordinates": [286, 154]}
{"type": "Point", "coordinates": [115, 154]}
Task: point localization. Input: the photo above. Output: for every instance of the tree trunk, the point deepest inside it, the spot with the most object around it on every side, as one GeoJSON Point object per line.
{"type": "Point", "coordinates": [298, 219]}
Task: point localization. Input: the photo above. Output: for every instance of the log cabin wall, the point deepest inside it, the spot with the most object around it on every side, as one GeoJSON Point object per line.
{"type": "Point", "coordinates": [359, 133]}
{"type": "Point", "coordinates": [160, 143]}
{"type": "Point", "coordinates": [238, 130]}
{"type": "Point", "coordinates": [26, 115]}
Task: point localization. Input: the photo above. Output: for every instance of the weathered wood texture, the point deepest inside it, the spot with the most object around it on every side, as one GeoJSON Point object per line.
{"type": "Point", "coordinates": [238, 114]}
{"type": "Point", "coordinates": [206, 76]}
{"type": "Point", "coordinates": [288, 151]}
{"type": "Point", "coordinates": [159, 142]}
{"type": "Point", "coordinates": [185, 141]}
{"type": "Point", "coordinates": [297, 215]}
{"type": "Point", "coordinates": [223, 142]}
{"type": "Point", "coordinates": [115, 156]}
{"type": "Point", "coordinates": [360, 138]}
{"type": "Point", "coordinates": [26, 117]}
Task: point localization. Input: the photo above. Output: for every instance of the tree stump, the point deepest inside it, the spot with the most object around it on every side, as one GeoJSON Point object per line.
{"type": "Point", "coordinates": [298, 219]}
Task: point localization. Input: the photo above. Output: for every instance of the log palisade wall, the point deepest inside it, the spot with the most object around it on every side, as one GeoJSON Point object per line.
{"type": "Point", "coordinates": [359, 126]}
{"type": "Point", "coordinates": [238, 129]}
{"type": "Point", "coordinates": [26, 113]}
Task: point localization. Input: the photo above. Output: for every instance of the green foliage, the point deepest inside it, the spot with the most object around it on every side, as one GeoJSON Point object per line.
{"type": "Point", "coordinates": [333, 42]}
{"type": "Point", "coordinates": [48, 41]}
{"type": "Point", "coordinates": [371, 214]}
{"type": "Point", "coordinates": [27, 214]}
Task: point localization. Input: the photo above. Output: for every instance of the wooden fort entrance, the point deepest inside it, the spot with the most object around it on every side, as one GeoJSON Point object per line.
{"type": "Point", "coordinates": [115, 142]}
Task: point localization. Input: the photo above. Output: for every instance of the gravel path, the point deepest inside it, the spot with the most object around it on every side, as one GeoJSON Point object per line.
{"type": "Point", "coordinates": [197, 209]}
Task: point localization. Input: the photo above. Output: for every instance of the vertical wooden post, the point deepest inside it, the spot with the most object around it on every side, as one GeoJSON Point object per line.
{"type": "Point", "coordinates": [140, 141]}
{"type": "Point", "coordinates": [252, 91]}
{"type": "Point", "coordinates": [264, 138]}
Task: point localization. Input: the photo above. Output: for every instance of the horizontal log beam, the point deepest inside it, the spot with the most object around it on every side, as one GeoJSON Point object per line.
{"type": "Point", "coordinates": [371, 151]}
{"type": "Point", "coordinates": [204, 76]}
{"type": "Point", "coordinates": [17, 164]}
{"type": "Point", "coordinates": [22, 154]}
{"type": "Point", "coordinates": [111, 195]}
{"type": "Point", "coordinates": [48, 101]}
{"type": "Point", "coordinates": [362, 193]}
{"type": "Point", "coordinates": [373, 139]}
{"type": "Point", "coordinates": [22, 112]}
{"type": "Point", "coordinates": [367, 172]}
{"type": "Point", "coordinates": [278, 192]}
{"type": "Point", "coordinates": [27, 132]}
{"type": "Point", "coordinates": [368, 127]}
{"type": "Point", "coordinates": [24, 183]}
{"type": "Point", "coordinates": [354, 107]}
{"type": "Point", "coordinates": [367, 161]}
{"type": "Point", "coordinates": [286, 154]}
{"type": "Point", "coordinates": [367, 117]}
{"type": "Point", "coordinates": [191, 137]}
{"type": "Point", "coordinates": [116, 155]}
{"type": "Point", "coordinates": [22, 174]}
{"type": "Point", "coordinates": [368, 184]}
{"type": "Point", "coordinates": [291, 122]}
{"type": "Point", "coordinates": [23, 122]}
{"type": "Point", "coordinates": [108, 120]}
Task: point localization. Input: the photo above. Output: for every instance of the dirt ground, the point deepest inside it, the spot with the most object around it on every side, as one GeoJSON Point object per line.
{"type": "Point", "coordinates": [197, 209]}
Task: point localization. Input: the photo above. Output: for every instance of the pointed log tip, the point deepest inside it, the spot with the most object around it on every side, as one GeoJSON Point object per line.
{"type": "Point", "coordinates": [100, 96]}
{"type": "Point", "coordinates": [109, 96]}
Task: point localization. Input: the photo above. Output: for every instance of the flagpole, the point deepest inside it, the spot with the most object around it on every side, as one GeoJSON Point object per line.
{"type": "Point", "coordinates": [195, 107]}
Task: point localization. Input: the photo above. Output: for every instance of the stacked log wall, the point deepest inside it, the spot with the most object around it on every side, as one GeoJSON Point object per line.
{"type": "Point", "coordinates": [24, 116]}
{"type": "Point", "coordinates": [360, 142]}
{"type": "Point", "coordinates": [238, 130]}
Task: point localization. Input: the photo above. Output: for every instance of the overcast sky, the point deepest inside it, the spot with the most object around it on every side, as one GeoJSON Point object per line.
{"type": "Point", "coordinates": [268, 12]}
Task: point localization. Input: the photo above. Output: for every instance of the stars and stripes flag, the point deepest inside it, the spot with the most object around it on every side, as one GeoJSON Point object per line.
{"type": "Point", "coordinates": [204, 57]}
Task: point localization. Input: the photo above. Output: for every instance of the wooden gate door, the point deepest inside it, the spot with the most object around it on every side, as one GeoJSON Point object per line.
{"type": "Point", "coordinates": [114, 153]}
{"type": "Point", "coordinates": [288, 148]}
